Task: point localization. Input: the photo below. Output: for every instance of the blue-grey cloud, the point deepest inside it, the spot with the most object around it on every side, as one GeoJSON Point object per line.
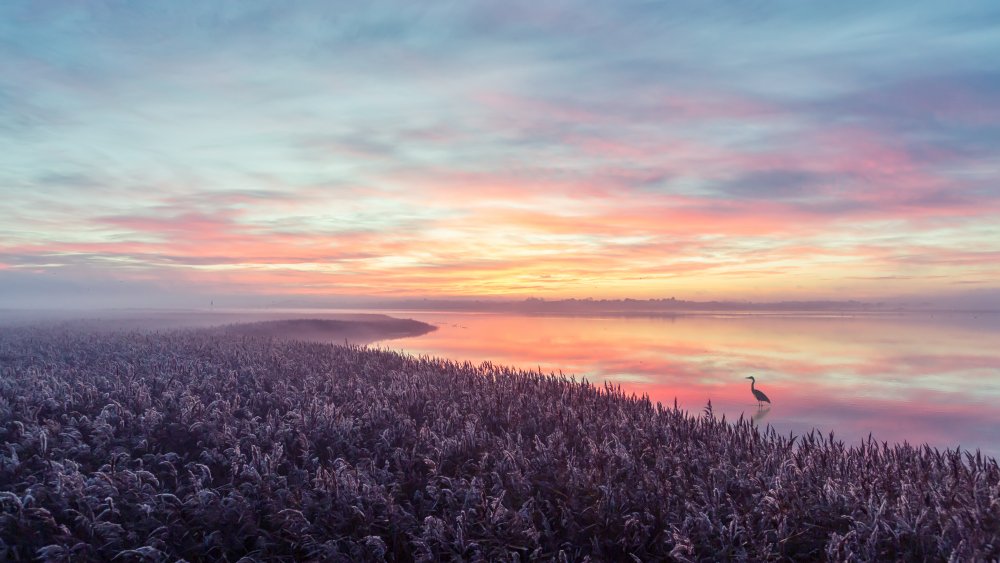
{"type": "Point", "coordinates": [575, 129]}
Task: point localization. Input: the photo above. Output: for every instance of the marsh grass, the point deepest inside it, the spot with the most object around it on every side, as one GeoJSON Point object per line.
{"type": "Point", "coordinates": [208, 446]}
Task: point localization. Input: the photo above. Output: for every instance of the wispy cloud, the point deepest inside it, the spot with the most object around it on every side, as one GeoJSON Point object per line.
{"type": "Point", "coordinates": [625, 149]}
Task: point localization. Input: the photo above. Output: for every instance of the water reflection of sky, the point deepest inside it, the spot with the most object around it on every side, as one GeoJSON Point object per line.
{"type": "Point", "coordinates": [912, 378]}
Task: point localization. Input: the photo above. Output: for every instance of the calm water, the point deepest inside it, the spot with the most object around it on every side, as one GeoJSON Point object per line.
{"type": "Point", "coordinates": [901, 378]}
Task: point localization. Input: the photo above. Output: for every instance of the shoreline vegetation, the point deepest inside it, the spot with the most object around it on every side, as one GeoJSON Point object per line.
{"type": "Point", "coordinates": [219, 444]}
{"type": "Point", "coordinates": [358, 331]}
{"type": "Point", "coordinates": [354, 328]}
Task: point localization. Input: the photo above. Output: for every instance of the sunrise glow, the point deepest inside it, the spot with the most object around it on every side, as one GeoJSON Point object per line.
{"type": "Point", "coordinates": [499, 150]}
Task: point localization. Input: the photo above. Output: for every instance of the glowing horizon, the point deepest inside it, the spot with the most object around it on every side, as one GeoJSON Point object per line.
{"type": "Point", "coordinates": [520, 149]}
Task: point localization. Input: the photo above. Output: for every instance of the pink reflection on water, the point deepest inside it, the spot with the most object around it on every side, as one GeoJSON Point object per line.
{"type": "Point", "coordinates": [899, 378]}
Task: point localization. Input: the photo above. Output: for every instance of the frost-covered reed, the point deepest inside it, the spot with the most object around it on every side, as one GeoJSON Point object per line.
{"type": "Point", "coordinates": [204, 446]}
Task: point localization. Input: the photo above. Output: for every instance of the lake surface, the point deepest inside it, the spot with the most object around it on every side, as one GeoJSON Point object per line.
{"type": "Point", "coordinates": [916, 378]}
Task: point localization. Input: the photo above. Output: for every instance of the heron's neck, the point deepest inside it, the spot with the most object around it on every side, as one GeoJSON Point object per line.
{"type": "Point", "coordinates": [751, 384]}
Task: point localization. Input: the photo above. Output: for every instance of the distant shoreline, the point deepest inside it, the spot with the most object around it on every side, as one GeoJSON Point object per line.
{"type": "Point", "coordinates": [695, 314]}
{"type": "Point", "coordinates": [376, 323]}
{"type": "Point", "coordinates": [641, 307]}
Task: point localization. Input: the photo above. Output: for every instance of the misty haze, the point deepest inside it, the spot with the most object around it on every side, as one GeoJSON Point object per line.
{"type": "Point", "coordinates": [499, 281]}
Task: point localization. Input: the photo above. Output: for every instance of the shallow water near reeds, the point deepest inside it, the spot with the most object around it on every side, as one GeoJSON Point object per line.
{"type": "Point", "coordinates": [919, 378]}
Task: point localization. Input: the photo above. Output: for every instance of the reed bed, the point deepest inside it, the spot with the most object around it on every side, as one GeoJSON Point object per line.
{"type": "Point", "coordinates": [219, 447]}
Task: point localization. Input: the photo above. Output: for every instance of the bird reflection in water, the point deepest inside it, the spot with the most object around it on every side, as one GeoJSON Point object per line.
{"type": "Point", "coordinates": [761, 414]}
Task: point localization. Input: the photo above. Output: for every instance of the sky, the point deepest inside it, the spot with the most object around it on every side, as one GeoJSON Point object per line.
{"type": "Point", "coordinates": [179, 152]}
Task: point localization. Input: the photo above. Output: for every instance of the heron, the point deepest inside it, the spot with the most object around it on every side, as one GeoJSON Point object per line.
{"type": "Point", "coordinates": [758, 394]}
